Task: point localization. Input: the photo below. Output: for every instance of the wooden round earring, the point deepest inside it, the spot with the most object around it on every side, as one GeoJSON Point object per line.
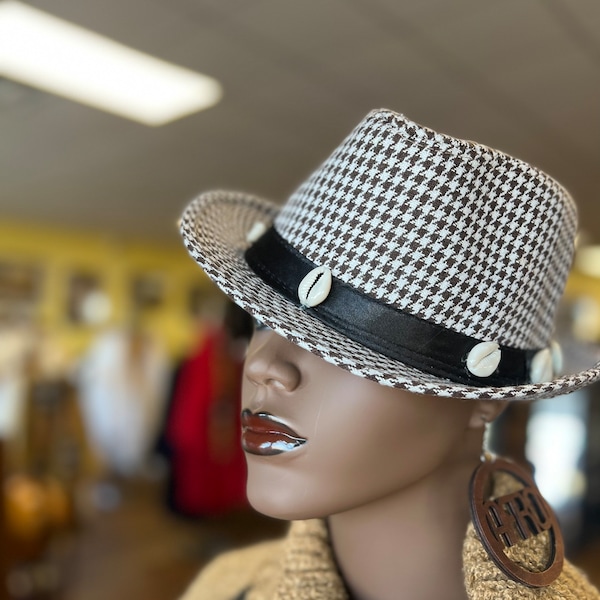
{"type": "Point", "coordinates": [508, 520]}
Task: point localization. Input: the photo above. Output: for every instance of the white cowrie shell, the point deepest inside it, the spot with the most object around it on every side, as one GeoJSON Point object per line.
{"type": "Point", "coordinates": [557, 358]}
{"type": "Point", "coordinates": [541, 366]}
{"type": "Point", "coordinates": [484, 358]}
{"type": "Point", "coordinates": [255, 231]}
{"type": "Point", "coordinates": [315, 287]}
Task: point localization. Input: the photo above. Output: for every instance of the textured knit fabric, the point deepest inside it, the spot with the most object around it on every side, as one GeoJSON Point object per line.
{"type": "Point", "coordinates": [302, 567]}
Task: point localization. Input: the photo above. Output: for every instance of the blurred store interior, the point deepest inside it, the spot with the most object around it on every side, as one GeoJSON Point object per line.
{"type": "Point", "coordinates": [105, 321]}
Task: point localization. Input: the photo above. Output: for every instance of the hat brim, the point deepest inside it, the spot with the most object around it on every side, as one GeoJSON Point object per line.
{"type": "Point", "coordinates": [214, 228]}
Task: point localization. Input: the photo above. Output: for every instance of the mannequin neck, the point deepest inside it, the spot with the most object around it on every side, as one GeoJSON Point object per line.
{"type": "Point", "coordinates": [409, 542]}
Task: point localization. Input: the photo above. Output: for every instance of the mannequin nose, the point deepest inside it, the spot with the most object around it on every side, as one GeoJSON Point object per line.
{"type": "Point", "coordinates": [268, 364]}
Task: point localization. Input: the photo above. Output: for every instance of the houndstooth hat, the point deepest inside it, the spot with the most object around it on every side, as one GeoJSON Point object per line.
{"type": "Point", "coordinates": [410, 258]}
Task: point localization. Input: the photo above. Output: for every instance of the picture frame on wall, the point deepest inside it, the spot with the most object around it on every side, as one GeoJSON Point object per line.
{"type": "Point", "coordinates": [87, 300]}
{"type": "Point", "coordinates": [147, 290]}
{"type": "Point", "coordinates": [20, 290]}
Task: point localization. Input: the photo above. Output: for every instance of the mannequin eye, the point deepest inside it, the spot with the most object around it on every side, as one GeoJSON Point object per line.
{"type": "Point", "coordinates": [260, 326]}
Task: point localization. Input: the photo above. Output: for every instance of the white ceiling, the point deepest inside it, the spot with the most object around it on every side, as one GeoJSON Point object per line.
{"type": "Point", "coordinates": [519, 75]}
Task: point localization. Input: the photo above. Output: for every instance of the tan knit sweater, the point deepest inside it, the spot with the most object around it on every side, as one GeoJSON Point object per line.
{"type": "Point", "coordinates": [302, 567]}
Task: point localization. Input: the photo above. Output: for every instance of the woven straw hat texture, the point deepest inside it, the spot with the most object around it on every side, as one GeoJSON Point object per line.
{"type": "Point", "coordinates": [449, 231]}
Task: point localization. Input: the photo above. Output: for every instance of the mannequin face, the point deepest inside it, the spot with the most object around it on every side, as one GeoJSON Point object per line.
{"type": "Point", "coordinates": [335, 441]}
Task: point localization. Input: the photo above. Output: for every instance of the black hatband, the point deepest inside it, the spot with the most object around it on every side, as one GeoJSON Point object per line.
{"type": "Point", "coordinates": [385, 329]}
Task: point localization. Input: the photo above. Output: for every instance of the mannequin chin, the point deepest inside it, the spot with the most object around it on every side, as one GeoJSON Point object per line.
{"type": "Point", "coordinates": [363, 442]}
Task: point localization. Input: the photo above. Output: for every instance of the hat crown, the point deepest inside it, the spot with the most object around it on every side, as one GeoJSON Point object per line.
{"type": "Point", "coordinates": [447, 230]}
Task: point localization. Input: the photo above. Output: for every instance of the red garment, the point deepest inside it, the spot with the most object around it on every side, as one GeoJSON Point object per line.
{"type": "Point", "coordinates": [203, 432]}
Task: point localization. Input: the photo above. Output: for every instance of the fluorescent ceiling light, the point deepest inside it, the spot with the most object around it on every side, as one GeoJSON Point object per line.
{"type": "Point", "coordinates": [43, 51]}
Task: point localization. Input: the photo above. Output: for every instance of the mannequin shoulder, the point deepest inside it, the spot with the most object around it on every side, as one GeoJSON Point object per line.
{"type": "Point", "coordinates": [228, 575]}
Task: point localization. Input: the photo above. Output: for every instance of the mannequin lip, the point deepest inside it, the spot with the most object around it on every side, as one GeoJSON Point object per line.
{"type": "Point", "coordinates": [264, 435]}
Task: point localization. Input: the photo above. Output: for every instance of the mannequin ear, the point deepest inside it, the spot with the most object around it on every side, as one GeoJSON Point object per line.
{"type": "Point", "coordinates": [486, 411]}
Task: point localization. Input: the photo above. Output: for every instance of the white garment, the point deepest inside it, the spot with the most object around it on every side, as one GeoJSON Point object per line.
{"type": "Point", "coordinates": [122, 399]}
{"type": "Point", "coordinates": [15, 345]}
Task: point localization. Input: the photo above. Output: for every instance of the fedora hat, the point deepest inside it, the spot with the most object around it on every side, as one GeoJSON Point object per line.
{"type": "Point", "coordinates": [411, 258]}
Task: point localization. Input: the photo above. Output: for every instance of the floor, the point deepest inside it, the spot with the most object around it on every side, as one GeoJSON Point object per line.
{"type": "Point", "coordinates": [139, 550]}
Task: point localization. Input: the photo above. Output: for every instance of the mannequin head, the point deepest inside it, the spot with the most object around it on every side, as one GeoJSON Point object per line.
{"type": "Point", "coordinates": [410, 286]}
{"type": "Point", "coordinates": [363, 441]}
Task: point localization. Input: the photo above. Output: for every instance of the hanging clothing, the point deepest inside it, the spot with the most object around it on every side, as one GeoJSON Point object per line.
{"type": "Point", "coordinates": [208, 468]}
{"type": "Point", "coordinates": [121, 385]}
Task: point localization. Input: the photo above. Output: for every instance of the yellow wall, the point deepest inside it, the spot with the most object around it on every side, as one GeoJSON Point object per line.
{"type": "Point", "coordinates": [583, 285]}
{"type": "Point", "coordinates": [60, 253]}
